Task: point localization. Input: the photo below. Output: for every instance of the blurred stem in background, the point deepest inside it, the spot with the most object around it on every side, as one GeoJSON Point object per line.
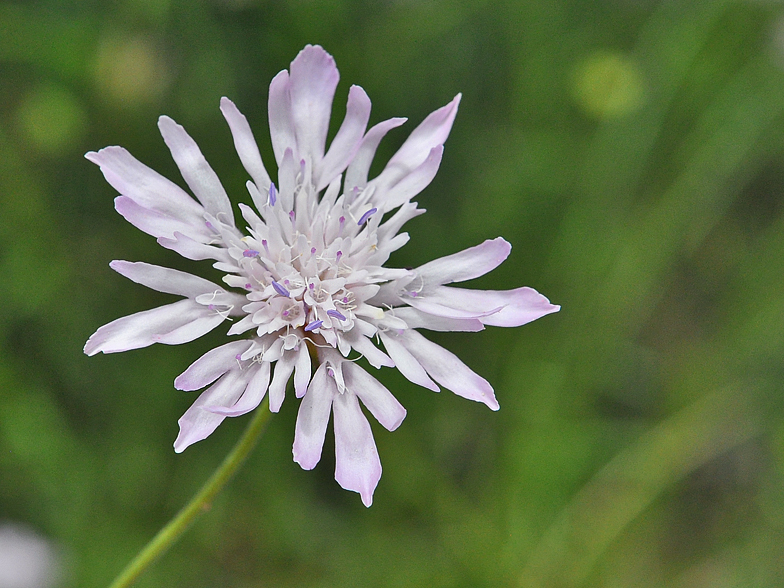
{"type": "Point", "coordinates": [201, 502]}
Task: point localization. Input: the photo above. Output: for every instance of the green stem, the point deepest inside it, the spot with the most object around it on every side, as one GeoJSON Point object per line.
{"type": "Point", "coordinates": [199, 503]}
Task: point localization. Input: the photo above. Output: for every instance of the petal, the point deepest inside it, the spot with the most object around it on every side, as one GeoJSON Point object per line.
{"type": "Point", "coordinates": [346, 141]}
{"type": "Point", "coordinates": [416, 319]}
{"type": "Point", "coordinates": [446, 369]}
{"type": "Point", "coordinates": [312, 419]}
{"type": "Point", "coordinates": [257, 377]}
{"type": "Point", "coordinates": [413, 183]}
{"type": "Point", "coordinates": [195, 170]}
{"type": "Point", "coordinates": [192, 249]}
{"type": "Point", "coordinates": [357, 466]}
{"type": "Point", "coordinates": [465, 265]}
{"type": "Point", "coordinates": [280, 119]}
{"type": "Point", "coordinates": [164, 279]}
{"type": "Point", "coordinates": [277, 390]}
{"type": "Point", "coordinates": [156, 223]}
{"type": "Point", "coordinates": [432, 132]}
{"type": "Point", "coordinates": [211, 366]}
{"type": "Point", "coordinates": [172, 324]}
{"type": "Point", "coordinates": [313, 80]}
{"type": "Point", "coordinates": [406, 363]}
{"type": "Point", "coordinates": [245, 144]}
{"type": "Point", "coordinates": [365, 347]}
{"type": "Point", "coordinates": [143, 185]}
{"type": "Point", "coordinates": [515, 307]}
{"type": "Point", "coordinates": [197, 423]}
{"type": "Point", "coordinates": [356, 174]}
{"type": "Point", "coordinates": [302, 373]}
{"type": "Point", "coordinates": [379, 401]}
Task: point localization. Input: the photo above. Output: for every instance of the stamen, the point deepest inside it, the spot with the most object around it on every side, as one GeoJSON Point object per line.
{"type": "Point", "coordinates": [413, 293]}
{"type": "Point", "coordinates": [310, 286]}
{"type": "Point", "coordinates": [367, 215]}
{"type": "Point", "coordinates": [292, 215]}
{"type": "Point", "coordinates": [338, 255]}
{"type": "Point", "coordinates": [314, 325]}
{"type": "Point", "coordinates": [264, 243]}
{"type": "Point", "coordinates": [313, 251]}
{"type": "Point", "coordinates": [342, 221]}
{"type": "Point", "coordinates": [210, 227]}
{"type": "Point", "coordinates": [336, 314]}
{"type": "Point", "coordinates": [248, 286]}
{"type": "Point", "coordinates": [250, 253]}
{"type": "Point", "coordinates": [280, 289]}
{"type": "Point", "coordinates": [273, 194]}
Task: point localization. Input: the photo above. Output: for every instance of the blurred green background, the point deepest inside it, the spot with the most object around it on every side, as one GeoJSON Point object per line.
{"type": "Point", "coordinates": [632, 151]}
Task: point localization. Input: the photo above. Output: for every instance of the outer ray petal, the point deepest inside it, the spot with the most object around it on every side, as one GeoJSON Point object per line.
{"type": "Point", "coordinates": [312, 419]}
{"type": "Point", "coordinates": [357, 465]}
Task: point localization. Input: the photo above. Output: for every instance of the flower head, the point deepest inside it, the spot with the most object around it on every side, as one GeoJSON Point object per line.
{"type": "Point", "coordinates": [307, 273]}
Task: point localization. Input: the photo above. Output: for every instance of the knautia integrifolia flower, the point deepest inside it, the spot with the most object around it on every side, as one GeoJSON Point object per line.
{"type": "Point", "coordinates": [307, 275]}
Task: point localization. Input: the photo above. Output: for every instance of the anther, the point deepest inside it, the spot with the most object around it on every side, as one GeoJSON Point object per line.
{"type": "Point", "coordinates": [250, 253]}
{"type": "Point", "coordinates": [313, 325]}
{"type": "Point", "coordinates": [280, 289]}
{"type": "Point", "coordinates": [367, 215]}
{"type": "Point", "coordinates": [264, 243]}
{"type": "Point", "coordinates": [336, 314]}
{"type": "Point", "coordinates": [273, 194]}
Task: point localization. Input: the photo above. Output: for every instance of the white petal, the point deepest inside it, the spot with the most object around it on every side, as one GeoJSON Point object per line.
{"type": "Point", "coordinates": [516, 307]}
{"type": "Point", "coordinates": [195, 250]}
{"type": "Point", "coordinates": [280, 119]}
{"type": "Point", "coordinates": [146, 187]}
{"type": "Point", "coordinates": [197, 423]}
{"type": "Point", "coordinates": [211, 366]}
{"type": "Point", "coordinates": [432, 132]}
{"type": "Point", "coordinates": [312, 419]}
{"type": "Point", "coordinates": [195, 170]}
{"type": "Point", "coordinates": [257, 377]}
{"type": "Point", "coordinates": [156, 223]}
{"type": "Point", "coordinates": [446, 369]}
{"type": "Point", "coordinates": [346, 141]}
{"type": "Point", "coordinates": [406, 363]}
{"type": "Point", "coordinates": [373, 354]}
{"type": "Point", "coordinates": [465, 265]}
{"type": "Point", "coordinates": [357, 466]}
{"type": "Point", "coordinates": [379, 401]}
{"type": "Point", "coordinates": [277, 390]}
{"type": "Point", "coordinates": [356, 174]}
{"type": "Point", "coordinates": [302, 373]}
{"type": "Point", "coordinates": [245, 144]}
{"type": "Point", "coordinates": [413, 183]}
{"type": "Point", "coordinates": [416, 319]}
{"type": "Point", "coordinates": [164, 279]}
{"type": "Point", "coordinates": [172, 324]}
{"type": "Point", "coordinates": [312, 83]}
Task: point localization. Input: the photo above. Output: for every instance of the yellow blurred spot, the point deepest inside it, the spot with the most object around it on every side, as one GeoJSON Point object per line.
{"type": "Point", "coordinates": [608, 85]}
{"type": "Point", "coordinates": [50, 119]}
{"type": "Point", "coordinates": [129, 71]}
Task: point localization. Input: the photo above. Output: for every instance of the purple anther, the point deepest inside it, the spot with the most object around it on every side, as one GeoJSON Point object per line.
{"type": "Point", "coordinates": [280, 289]}
{"type": "Point", "coordinates": [313, 326]}
{"type": "Point", "coordinates": [211, 307]}
{"type": "Point", "coordinates": [264, 243]}
{"type": "Point", "coordinates": [302, 166]}
{"type": "Point", "coordinates": [310, 285]}
{"type": "Point", "coordinates": [238, 356]}
{"type": "Point", "coordinates": [338, 255]}
{"type": "Point", "coordinates": [285, 313]}
{"type": "Point", "coordinates": [336, 314]}
{"type": "Point", "coordinates": [210, 227]}
{"type": "Point", "coordinates": [248, 286]}
{"type": "Point", "coordinates": [413, 294]}
{"type": "Point", "coordinates": [367, 215]}
{"type": "Point", "coordinates": [292, 215]}
{"type": "Point", "coordinates": [273, 194]}
{"type": "Point", "coordinates": [250, 253]}
{"type": "Point", "coordinates": [313, 251]}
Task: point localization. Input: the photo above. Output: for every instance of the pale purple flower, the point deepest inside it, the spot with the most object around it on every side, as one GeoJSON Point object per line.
{"type": "Point", "coordinates": [307, 274]}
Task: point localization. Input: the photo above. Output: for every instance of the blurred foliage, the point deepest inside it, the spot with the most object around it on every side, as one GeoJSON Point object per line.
{"type": "Point", "coordinates": [632, 151]}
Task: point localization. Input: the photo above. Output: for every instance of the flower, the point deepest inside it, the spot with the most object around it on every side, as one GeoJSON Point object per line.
{"type": "Point", "coordinates": [307, 275]}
